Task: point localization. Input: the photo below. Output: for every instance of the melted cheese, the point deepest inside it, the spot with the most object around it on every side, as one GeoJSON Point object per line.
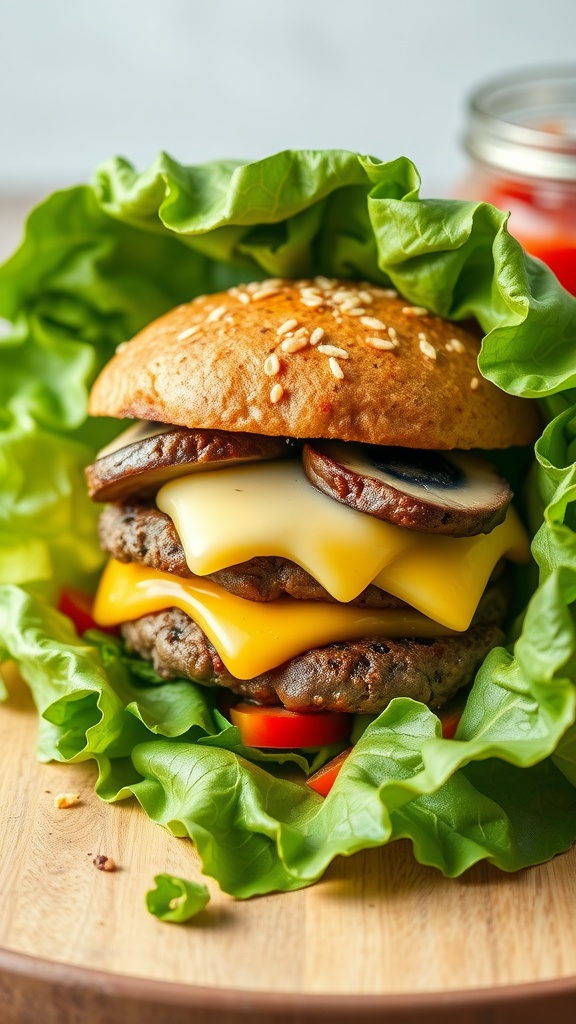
{"type": "Point", "coordinates": [271, 508]}
{"type": "Point", "coordinates": [250, 637]}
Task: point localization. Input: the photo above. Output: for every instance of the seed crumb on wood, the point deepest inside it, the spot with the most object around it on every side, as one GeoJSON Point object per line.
{"type": "Point", "coordinates": [64, 800]}
{"type": "Point", "coordinates": [104, 863]}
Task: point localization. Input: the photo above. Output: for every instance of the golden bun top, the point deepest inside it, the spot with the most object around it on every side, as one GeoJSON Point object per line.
{"type": "Point", "coordinates": [317, 358]}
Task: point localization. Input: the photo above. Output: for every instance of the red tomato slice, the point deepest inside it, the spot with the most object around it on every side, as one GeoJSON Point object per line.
{"type": "Point", "coordinates": [449, 721]}
{"type": "Point", "coordinates": [282, 729]}
{"type": "Point", "coordinates": [323, 780]}
{"type": "Point", "coordinates": [78, 607]}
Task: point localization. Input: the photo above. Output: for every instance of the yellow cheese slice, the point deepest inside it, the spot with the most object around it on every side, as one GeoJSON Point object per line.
{"type": "Point", "coordinates": [251, 637]}
{"type": "Point", "coordinates": [271, 508]}
{"type": "Point", "coordinates": [445, 577]}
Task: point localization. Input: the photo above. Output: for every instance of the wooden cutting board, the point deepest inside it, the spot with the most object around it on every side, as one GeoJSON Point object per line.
{"type": "Point", "coordinates": [379, 932]}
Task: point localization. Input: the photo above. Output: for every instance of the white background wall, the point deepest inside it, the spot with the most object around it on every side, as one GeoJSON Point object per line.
{"type": "Point", "coordinates": [81, 80]}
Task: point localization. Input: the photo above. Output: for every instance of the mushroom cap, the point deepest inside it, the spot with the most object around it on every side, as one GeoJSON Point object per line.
{"type": "Point", "coordinates": [314, 359]}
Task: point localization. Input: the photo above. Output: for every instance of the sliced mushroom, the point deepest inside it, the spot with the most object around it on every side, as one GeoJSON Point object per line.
{"type": "Point", "coordinates": [139, 431]}
{"type": "Point", "coordinates": [451, 493]}
{"type": "Point", "coordinates": [139, 467]}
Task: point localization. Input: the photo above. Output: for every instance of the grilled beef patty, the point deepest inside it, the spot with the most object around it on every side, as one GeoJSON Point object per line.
{"type": "Point", "coordinates": [359, 676]}
{"type": "Point", "coordinates": [140, 533]}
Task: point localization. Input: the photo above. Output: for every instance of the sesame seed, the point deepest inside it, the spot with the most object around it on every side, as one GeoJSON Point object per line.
{"type": "Point", "coordinates": [392, 333]}
{"type": "Point", "coordinates": [310, 292]}
{"type": "Point", "coordinates": [332, 350]}
{"type": "Point", "coordinates": [276, 394]}
{"type": "Point", "coordinates": [288, 325]}
{"type": "Point", "coordinates": [422, 336]}
{"type": "Point", "coordinates": [326, 283]}
{"type": "Point", "coordinates": [188, 333]}
{"type": "Point", "coordinates": [335, 368]}
{"type": "Point", "coordinates": [456, 345]}
{"type": "Point", "coordinates": [345, 295]}
{"type": "Point", "coordinates": [228, 319]}
{"type": "Point", "coordinates": [352, 308]}
{"type": "Point", "coordinates": [317, 335]}
{"type": "Point", "coordinates": [244, 297]}
{"type": "Point", "coordinates": [265, 293]}
{"type": "Point", "coordinates": [427, 349]}
{"type": "Point", "coordinates": [382, 343]}
{"type": "Point", "coordinates": [373, 323]}
{"type": "Point", "coordinates": [313, 301]}
{"type": "Point", "coordinates": [216, 314]}
{"type": "Point", "coordinates": [386, 293]}
{"type": "Point", "coordinates": [271, 365]}
{"type": "Point", "coordinates": [414, 311]}
{"type": "Point", "coordinates": [474, 383]}
{"type": "Point", "coordinates": [366, 297]}
{"type": "Point", "coordinates": [294, 344]}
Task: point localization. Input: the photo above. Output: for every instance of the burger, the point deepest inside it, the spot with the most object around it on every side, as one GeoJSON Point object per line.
{"type": "Point", "coordinates": [301, 515]}
{"type": "Point", "coordinates": [303, 512]}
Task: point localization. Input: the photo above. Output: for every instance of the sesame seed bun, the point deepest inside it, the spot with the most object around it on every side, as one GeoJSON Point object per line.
{"type": "Point", "coordinates": [314, 359]}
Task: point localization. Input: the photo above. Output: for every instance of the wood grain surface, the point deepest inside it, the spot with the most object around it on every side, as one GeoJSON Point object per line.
{"type": "Point", "coordinates": [377, 923]}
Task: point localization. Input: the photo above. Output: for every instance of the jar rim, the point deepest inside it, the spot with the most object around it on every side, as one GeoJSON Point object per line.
{"type": "Point", "coordinates": [525, 123]}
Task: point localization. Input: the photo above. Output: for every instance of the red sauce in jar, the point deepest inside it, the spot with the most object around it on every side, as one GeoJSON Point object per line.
{"type": "Point", "coordinates": [522, 138]}
{"type": "Point", "coordinates": [543, 219]}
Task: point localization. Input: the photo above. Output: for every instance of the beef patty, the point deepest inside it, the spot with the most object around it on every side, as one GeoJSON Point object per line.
{"type": "Point", "coordinates": [356, 676]}
{"type": "Point", "coordinates": [141, 533]}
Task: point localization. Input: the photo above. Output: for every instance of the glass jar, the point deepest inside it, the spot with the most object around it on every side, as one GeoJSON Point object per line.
{"type": "Point", "coordinates": [522, 140]}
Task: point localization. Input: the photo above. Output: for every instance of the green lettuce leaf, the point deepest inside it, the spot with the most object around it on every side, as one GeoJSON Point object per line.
{"type": "Point", "coordinates": [100, 261]}
{"type": "Point", "coordinates": [176, 899]}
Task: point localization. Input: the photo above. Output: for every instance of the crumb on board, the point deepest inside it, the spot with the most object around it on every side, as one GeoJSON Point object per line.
{"type": "Point", "coordinates": [104, 863]}
{"type": "Point", "coordinates": [64, 800]}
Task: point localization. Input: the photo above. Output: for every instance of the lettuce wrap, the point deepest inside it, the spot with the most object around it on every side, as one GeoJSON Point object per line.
{"type": "Point", "coordinates": [100, 261]}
